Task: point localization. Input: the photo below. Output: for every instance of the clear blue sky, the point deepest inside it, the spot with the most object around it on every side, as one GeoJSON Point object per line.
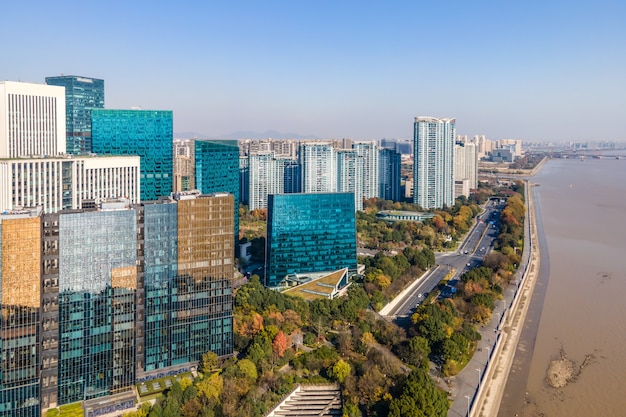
{"type": "Point", "coordinates": [533, 70]}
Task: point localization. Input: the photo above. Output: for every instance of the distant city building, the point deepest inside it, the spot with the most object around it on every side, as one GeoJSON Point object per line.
{"type": "Point", "coordinates": [244, 179]}
{"type": "Point", "coordinates": [369, 152]}
{"type": "Point", "coordinates": [32, 119]}
{"type": "Point", "coordinates": [433, 170]}
{"type": "Point", "coordinates": [515, 145]}
{"type": "Point", "coordinates": [350, 175]}
{"type": "Point", "coordinates": [502, 155]}
{"type": "Point", "coordinates": [217, 170]}
{"type": "Point", "coordinates": [82, 94]}
{"type": "Point", "coordinates": [485, 146]}
{"type": "Point", "coordinates": [309, 233]}
{"type": "Point", "coordinates": [466, 165]}
{"type": "Point", "coordinates": [461, 187]}
{"type": "Point", "coordinates": [184, 166]}
{"type": "Point", "coordinates": [389, 174]}
{"type": "Point", "coordinates": [146, 133]}
{"type": "Point", "coordinates": [293, 176]}
{"type": "Point", "coordinates": [266, 177]}
{"type": "Point", "coordinates": [318, 162]}
{"type": "Point", "coordinates": [59, 183]}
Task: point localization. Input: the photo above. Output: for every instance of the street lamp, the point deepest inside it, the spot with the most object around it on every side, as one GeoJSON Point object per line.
{"type": "Point", "coordinates": [468, 404]}
{"type": "Point", "coordinates": [487, 354]}
{"type": "Point", "coordinates": [478, 370]}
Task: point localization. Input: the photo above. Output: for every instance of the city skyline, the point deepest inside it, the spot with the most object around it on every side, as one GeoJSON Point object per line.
{"type": "Point", "coordinates": [530, 71]}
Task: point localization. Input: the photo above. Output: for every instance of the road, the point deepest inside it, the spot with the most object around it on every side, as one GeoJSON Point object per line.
{"type": "Point", "coordinates": [469, 254]}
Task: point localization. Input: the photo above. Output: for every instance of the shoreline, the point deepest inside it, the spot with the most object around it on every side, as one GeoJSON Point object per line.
{"type": "Point", "coordinates": [489, 397]}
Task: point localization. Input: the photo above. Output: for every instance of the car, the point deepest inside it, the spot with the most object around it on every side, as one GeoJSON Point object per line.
{"type": "Point", "coordinates": [468, 264]}
{"type": "Point", "coordinates": [466, 252]}
{"type": "Point", "coordinates": [419, 295]}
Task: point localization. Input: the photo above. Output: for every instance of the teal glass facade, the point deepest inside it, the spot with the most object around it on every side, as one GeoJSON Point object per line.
{"type": "Point", "coordinates": [96, 316]}
{"type": "Point", "coordinates": [82, 94]}
{"type": "Point", "coordinates": [217, 170]}
{"type": "Point", "coordinates": [146, 133]}
{"type": "Point", "coordinates": [309, 233]}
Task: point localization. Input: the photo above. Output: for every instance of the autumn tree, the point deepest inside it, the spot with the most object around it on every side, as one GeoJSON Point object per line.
{"type": "Point", "coordinates": [279, 345]}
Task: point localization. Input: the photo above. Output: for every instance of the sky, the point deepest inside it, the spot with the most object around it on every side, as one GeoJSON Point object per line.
{"type": "Point", "coordinates": [531, 70]}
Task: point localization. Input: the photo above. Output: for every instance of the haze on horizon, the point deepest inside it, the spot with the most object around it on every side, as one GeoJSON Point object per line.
{"type": "Point", "coordinates": [537, 71]}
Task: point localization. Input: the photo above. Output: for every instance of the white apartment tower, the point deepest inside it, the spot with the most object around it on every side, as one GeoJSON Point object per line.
{"type": "Point", "coordinates": [266, 177]}
{"type": "Point", "coordinates": [466, 164]}
{"type": "Point", "coordinates": [32, 119]}
{"type": "Point", "coordinates": [369, 152]}
{"type": "Point", "coordinates": [350, 175]}
{"type": "Point", "coordinates": [433, 169]}
{"type": "Point", "coordinates": [319, 167]}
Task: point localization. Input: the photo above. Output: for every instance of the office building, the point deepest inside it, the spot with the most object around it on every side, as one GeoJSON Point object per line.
{"type": "Point", "coordinates": [318, 162]}
{"type": "Point", "coordinates": [389, 174]}
{"type": "Point", "coordinates": [266, 177]}
{"type": "Point", "coordinates": [292, 182]}
{"type": "Point", "coordinates": [369, 152]}
{"type": "Point", "coordinates": [466, 164]}
{"type": "Point", "coordinates": [217, 170]}
{"type": "Point", "coordinates": [82, 94]}
{"type": "Point", "coordinates": [32, 120]}
{"type": "Point", "coordinates": [60, 183]}
{"type": "Point", "coordinates": [104, 298]}
{"type": "Point", "coordinates": [309, 233]}
{"type": "Point", "coordinates": [20, 295]}
{"type": "Point", "coordinates": [350, 175]}
{"type": "Point", "coordinates": [433, 169]}
{"type": "Point", "coordinates": [244, 179]}
{"type": "Point", "coordinates": [146, 133]}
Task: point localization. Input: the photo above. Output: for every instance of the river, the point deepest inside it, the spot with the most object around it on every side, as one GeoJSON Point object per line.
{"type": "Point", "coordinates": [578, 307]}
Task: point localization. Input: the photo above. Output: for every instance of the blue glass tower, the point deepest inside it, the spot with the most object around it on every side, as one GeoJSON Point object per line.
{"type": "Point", "coordinates": [147, 133]}
{"type": "Point", "coordinates": [217, 170]}
{"type": "Point", "coordinates": [389, 176]}
{"type": "Point", "coordinates": [309, 233]}
{"type": "Point", "coordinates": [82, 94]}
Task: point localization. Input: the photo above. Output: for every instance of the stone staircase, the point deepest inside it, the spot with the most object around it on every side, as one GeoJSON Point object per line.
{"type": "Point", "coordinates": [310, 401]}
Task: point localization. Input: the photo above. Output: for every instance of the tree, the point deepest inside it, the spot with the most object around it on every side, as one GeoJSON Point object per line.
{"type": "Point", "coordinates": [340, 371]}
{"type": "Point", "coordinates": [280, 344]}
{"type": "Point", "coordinates": [208, 362]}
{"type": "Point", "coordinates": [420, 398]}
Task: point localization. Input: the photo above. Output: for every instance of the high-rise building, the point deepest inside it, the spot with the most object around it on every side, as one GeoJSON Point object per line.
{"type": "Point", "coordinates": [244, 179]}
{"type": "Point", "coordinates": [20, 297]}
{"type": "Point", "coordinates": [433, 170]}
{"type": "Point", "coordinates": [309, 233]}
{"type": "Point", "coordinates": [217, 170]}
{"type": "Point", "coordinates": [95, 301]}
{"type": "Point", "coordinates": [146, 133]}
{"type": "Point", "coordinates": [184, 166]}
{"type": "Point", "coordinates": [369, 152]}
{"type": "Point", "coordinates": [293, 176]}
{"type": "Point", "coordinates": [59, 183]}
{"type": "Point", "coordinates": [266, 177]}
{"type": "Point", "coordinates": [32, 120]}
{"type": "Point", "coordinates": [350, 175]}
{"type": "Point", "coordinates": [318, 161]}
{"type": "Point", "coordinates": [82, 94]}
{"type": "Point", "coordinates": [389, 176]}
{"type": "Point", "coordinates": [466, 164]}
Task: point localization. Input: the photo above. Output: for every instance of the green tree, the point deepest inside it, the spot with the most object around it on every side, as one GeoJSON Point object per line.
{"type": "Point", "coordinates": [208, 362]}
{"type": "Point", "coordinates": [420, 398]}
{"type": "Point", "coordinates": [340, 371]}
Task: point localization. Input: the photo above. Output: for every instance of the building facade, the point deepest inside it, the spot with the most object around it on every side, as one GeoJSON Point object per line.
{"type": "Point", "coordinates": [217, 170]}
{"type": "Point", "coordinates": [309, 233]}
{"type": "Point", "coordinates": [67, 182]}
{"type": "Point", "coordinates": [32, 120]}
{"type": "Point", "coordinates": [389, 175]}
{"type": "Point", "coordinates": [318, 162]}
{"type": "Point", "coordinates": [184, 165]}
{"type": "Point", "coordinates": [145, 133]}
{"type": "Point", "coordinates": [433, 170]}
{"type": "Point", "coordinates": [466, 164]}
{"type": "Point", "coordinates": [350, 175]}
{"type": "Point", "coordinates": [82, 94]}
{"type": "Point", "coordinates": [266, 177]}
{"type": "Point", "coordinates": [369, 152]}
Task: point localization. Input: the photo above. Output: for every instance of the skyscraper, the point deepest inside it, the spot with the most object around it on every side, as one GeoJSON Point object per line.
{"type": "Point", "coordinates": [466, 165]}
{"type": "Point", "coordinates": [369, 152]}
{"type": "Point", "coordinates": [309, 233]}
{"type": "Point", "coordinates": [433, 170]}
{"type": "Point", "coordinates": [389, 177]}
{"type": "Point", "coordinates": [350, 175]}
{"type": "Point", "coordinates": [32, 120]}
{"type": "Point", "coordinates": [318, 161]}
{"type": "Point", "coordinates": [146, 133]}
{"type": "Point", "coordinates": [82, 94]}
{"type": "Point", "coordinates": [266, 177]}
{"type": "Point", "coordinates": [217, 170]}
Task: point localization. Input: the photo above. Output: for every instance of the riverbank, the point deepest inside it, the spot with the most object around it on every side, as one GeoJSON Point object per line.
{"type": "Point", "coordinates": [489, 397]}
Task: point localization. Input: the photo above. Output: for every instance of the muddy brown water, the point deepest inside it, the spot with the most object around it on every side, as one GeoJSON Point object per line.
{"type": "Point", "coordinates": [579, 303]}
